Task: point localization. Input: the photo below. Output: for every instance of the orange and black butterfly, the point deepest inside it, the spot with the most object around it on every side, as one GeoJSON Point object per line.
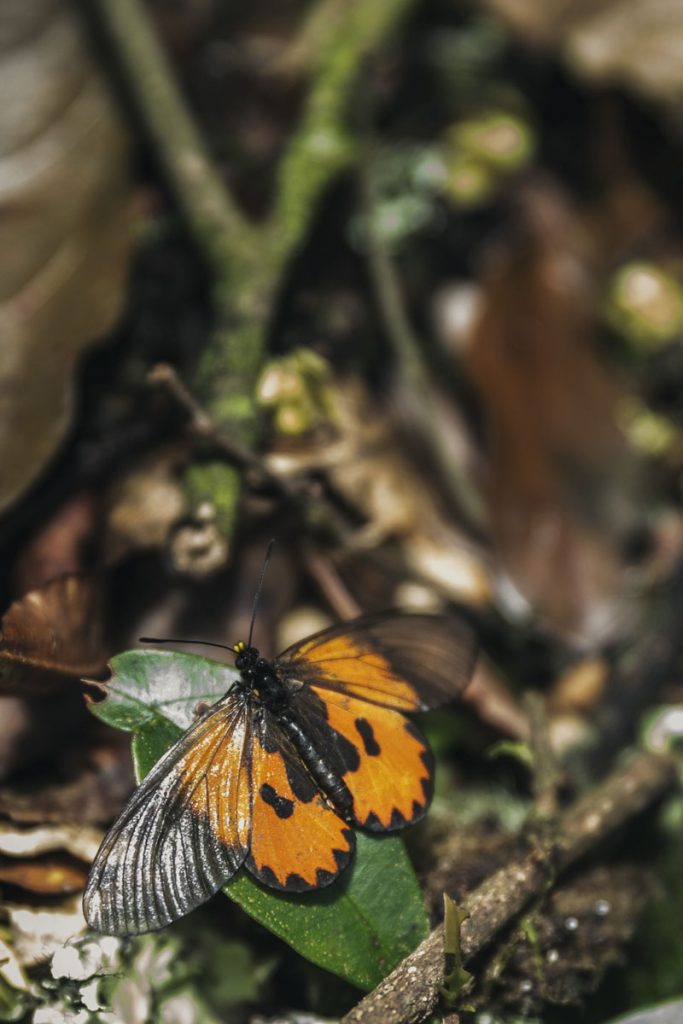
{"type": "Point", "coordinates": [275, 773]}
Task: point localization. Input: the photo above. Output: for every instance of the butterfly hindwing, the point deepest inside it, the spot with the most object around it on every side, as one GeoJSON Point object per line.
{"type": "Point", "coordinates": [184, 832]}
{"type": "Point", "coordinates": [381, 756]}
{"type": "Point", "coordinates": [298, 841]}
{"type": "Point", "coordinates": [405, 662]}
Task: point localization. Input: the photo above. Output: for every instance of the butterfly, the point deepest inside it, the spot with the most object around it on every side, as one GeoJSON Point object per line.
{"type": "Point", "coordinates": [277, 773]}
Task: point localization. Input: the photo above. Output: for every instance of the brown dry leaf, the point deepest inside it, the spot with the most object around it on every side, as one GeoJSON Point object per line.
{"type": "Point", "coordinates": [78, 840]}
{"type": "Point", "coordinates": [57, 547]}
{"type": "Point", "coordinates": [561, 479]}
{"type": "Point", "coordinates": [614, 41]}
{"type": "Point", "coordinates": [65, 226]}
{"type": "Point", "coordinates": [98, 782]}
{"type": "Point", "coordinates": [50, 635]}
{"type": "Point", "coordinates": [36, 933]}
{"type": "Point", "coordinates": [581, 687]}
{"type": "Point", "coordinates": [366, 464]}
{"type": "Point", "coordinates": [48, 876]}
{"type": "Point", "coordinates": [144, 505]}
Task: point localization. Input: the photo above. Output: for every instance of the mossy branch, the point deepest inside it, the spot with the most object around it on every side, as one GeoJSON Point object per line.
{"type": "Point", "coordinates": [246, 262]}
{"type": "Point", "coordinates": [410, 992]}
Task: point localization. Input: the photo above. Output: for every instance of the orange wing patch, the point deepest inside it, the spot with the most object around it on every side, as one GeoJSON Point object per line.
{"type": "Point", "coordinates": [298, 842]}
{"type": "Point", "coordinates": [183, 833]}
{"type": "Point", "coordinates": [393, 782]}
{"type": "Point", "coordinates": [222, 792]}
{"type": "Point", "coordinates": [341, 664]}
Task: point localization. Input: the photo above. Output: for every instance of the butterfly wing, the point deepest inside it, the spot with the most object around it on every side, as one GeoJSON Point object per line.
{"type": "Point", "coordinates": [298, 842]}
{"type": "Point", "coordinates": [183, 833]}
{"type": "Point", "coordinates": [359, 679]}
{"type": "Point", "coordinates": [381, 755]}
{"type": "Point", "coordinates": [404, 662]}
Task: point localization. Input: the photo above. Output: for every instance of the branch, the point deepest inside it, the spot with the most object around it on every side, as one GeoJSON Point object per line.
{"type": "Point", "coordinates": [247, 263]}
{"type": "Point", "coordinates": [313, 508]}
{"type": "Point", "coordinates": [219, 230]}
{"type": "Point", "coordinates": [411, 991]}
{"type": "Point", "coordinates": [413, 372]}
{"type": "Point", "coordinates": [322, 146]}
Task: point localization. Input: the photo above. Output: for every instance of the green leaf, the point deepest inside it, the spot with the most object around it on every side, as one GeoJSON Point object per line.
{"type": "Point", "coordinates": [665, 1013]}
{"type": "Point", "coordinates": [362, 925]}
{"type": "Point", "coordinates": [156, 686]}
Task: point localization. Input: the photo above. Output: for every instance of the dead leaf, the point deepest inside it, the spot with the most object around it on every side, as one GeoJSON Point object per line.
{"type": "Point", "coordinates": [561, 479]}
{"type": "Point", "coordinates": [581, 687]}
{"type": "Point", "coordinates": [50, 635]}
{"type": "Point", "coordinates": [65, 227]}
{"type": "Point", "coordinates": [95, 782]}
{"type": "Point", "coordinates": [47, 876]}
{"type": "Point", "coordinates": [613, 41]}
{"type": "Point", "coordinates": [365, 460]}
{"type": "Point", "coordinates": [78, 840]}
{"type": "Point", "coordinates": [57, 548]}
{"type": "Point", "coordinates": [37, 934]}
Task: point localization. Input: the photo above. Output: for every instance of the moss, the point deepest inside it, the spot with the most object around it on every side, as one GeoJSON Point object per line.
{"type": "Point", "coordinates": [219, 485]}
{"type": "Point", "coordinates": [322, 146]}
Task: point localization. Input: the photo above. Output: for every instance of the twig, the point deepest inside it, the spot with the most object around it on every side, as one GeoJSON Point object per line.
{"type": "Point", "coordinates": [326, 576]}
{"type": "Point", "coordinates": [412, 371]}
{"type": "Point", "coordinates": [319, 512]}
{"type": "Point", "coordinates": [410, 992]}
{"type": "Point", "coordinates": [220, 231]}
{"type": "Point", "coordinates": [312, 507]}
{"type": "Point", "coordinates": [202, 424]}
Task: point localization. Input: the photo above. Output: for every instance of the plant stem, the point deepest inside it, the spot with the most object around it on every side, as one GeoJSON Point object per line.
{"type": "Point", "coordinates": [246, 263]}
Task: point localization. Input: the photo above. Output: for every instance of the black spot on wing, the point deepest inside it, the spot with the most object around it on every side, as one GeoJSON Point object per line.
{"type": "Point", "coordinates": [370, 744]}
{"type": "Point", "coordinates": [283, 807]}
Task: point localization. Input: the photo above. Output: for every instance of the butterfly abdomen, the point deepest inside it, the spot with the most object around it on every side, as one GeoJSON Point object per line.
{"type": "Point", "coordinates": [329, 781]}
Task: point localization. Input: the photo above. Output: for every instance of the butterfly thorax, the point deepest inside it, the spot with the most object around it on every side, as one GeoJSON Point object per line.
{"type": "Point", "coordinates": [262, 677]}
{"type": "Point", "coordinates": [259, 675]}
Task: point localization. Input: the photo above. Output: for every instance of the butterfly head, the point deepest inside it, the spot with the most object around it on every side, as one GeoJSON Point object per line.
{"type": "Point", "coordinates": [247, 656]}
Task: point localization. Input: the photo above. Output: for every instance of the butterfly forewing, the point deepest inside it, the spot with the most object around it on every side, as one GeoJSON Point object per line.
{"type": "Point", "coordinates": [405, 662]}
{"type": "Point", "coordinates": [298, 841]}
{"type": "Point", "coordinates": [183, 834]}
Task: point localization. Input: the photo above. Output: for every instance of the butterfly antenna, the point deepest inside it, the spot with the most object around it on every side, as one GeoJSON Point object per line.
{"type": "Point", "coordinates": [174, 640]}
{"type": "Point", "coordinates": [257, 595]}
